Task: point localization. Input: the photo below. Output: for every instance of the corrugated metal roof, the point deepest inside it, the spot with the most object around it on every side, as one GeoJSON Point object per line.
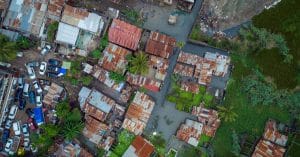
{"type": "Point", "coordinates": [67, 34]}
{"type": "Point", "coordinates": [139, 148]}
{"type": "Point", "coordinates": [267, 149]}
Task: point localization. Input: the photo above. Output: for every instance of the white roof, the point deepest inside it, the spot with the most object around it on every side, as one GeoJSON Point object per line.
{"type": "Point", "coordinates": [130, 152]}
{"type": "Point", "coordinates": [91, 23]}
{"type": "Point", "coordinates": [67, 34]}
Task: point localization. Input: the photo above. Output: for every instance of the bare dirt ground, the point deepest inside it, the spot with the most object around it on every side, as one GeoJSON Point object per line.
{"type": "Point", "coordinates": [219, 15]}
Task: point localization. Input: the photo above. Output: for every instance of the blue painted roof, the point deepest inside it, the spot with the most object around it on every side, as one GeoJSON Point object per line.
{"type": "Point", "coordinates": [38, 115]}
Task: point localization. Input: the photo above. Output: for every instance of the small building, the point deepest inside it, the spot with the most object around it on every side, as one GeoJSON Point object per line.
{"type": "Point", "coordinates": [160, 45]}
{"type": "Point", "coordinates": [26, 16]}
{"type": "Point", "coordinates": [124, 34]}
{"type": "Point", "coordinates": [266, 148]}
{"type": "Point", "coordinates": [71, 149]}
{"type": "Point", "coordinates": [190, 86]}
{"type": "Point", "coordinates": [272, 133]}
{"type": "Point", "coordinates": [209, 118]}
{"type": "Point", "coordinates": [138, 113]}
{"type": "Point", "coordinates": [157, 67]}
{"type": "Point", "coordinates": [55, 8]}
{"type": "Point", "coordinates": [114, 58]}
{"type": "Point", "coordinates": [186, 5]}
{"type": "Point", "coordinates": [139, 147]}
{"type": "Point", "coordinates": [54, 95]}
{"type": "Point", "coordinates": [190, 132]}
{"type": "Point", "coordinates": [184, 70]}
{"type": "Point", "coordinates": [143, 81]}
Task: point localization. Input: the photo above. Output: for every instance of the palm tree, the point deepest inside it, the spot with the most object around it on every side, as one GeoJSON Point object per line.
{"type": "Point", "coordinates": [227, 114]}
{"type": "Point", "coordinates": [180, 44]}
{"type": "Point", "coordinates": [71, 130]}
{"type": "Point", "coordinates": [139, 63]}
{"type": "Point", "coordinates": [7, 49]}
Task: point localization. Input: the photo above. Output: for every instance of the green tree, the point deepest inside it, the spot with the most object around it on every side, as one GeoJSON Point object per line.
{"type": "Point", "coordinates": [117, 77]}
{"type": "Point", "coordinates": [236, 148]}
{"type": "Point", "coordinates": [86, 80]}
{"type": "Point", "coordinates": [74, 116]}
{"type": "Point", "coordinates": [138, 64]}
{"type": "Point", "coordinates": [51, 31]}
{"type": "Point", "coordinates": [8, 49]}
{"type": "Point", "coordinates": [189, 151]}
{"type": "Point", "coordinates": [180, 44]}
{"type": "Point", "coordinates": [103, 44]}
{"type": "Point", "coordinates": [100, 152]}
{"type": "Point", "coordinates": [71, 130]}
{"type": "Point", "coordinates": [227, 113]}
{"type": "Point", "coordinates": [62, 109]}
{"type": "Point", "coordinates": [23, 42]}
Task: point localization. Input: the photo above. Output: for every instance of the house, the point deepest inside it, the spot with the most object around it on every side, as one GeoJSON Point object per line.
{"type": "Point", "coordinates": [190, 86]}
{"type": "Point", "coordinates": [209, 118]}
{"type": "Point", "coordinates": [266, 148]}
{"type": "Point", "coordinates": [160, 45]}
{"type": "Point", "coordinates": [222, 63]}
{"type": "Point", "coordinates": [190, 132]}
{"type": "Point", "coordinates": [54, 95]}
{"type": "Point", "coordinates": [272, 133]}
{"type": "Point", "coordinates": [98, 133]}
{"type": "Point", "coordinates": [124, 34]}
{"type": "Point", "coordinates": [157, 67]}
{"type": "Point", "coordinates": [114, 58]}
{"type": "Point", "coordinates": [103, 76]}
{"type": "Point", "coordinates": [71, 149]}
{"type": "Point", "coordinates": [143, 81]}
{"type": "Point", "coordinates": [82, 19]}
{"type": "Point", "coordinates": [138, 113]}
{"type": "Point", "coordinates": [139, 147]}
{"type": "Point", "coordinates": [26, 16]}
{"type": "Point", "coordinates": [67, 34]}
{"type": "Point", "coordinates": [186, 5]}
{"type": "Point", "coordinates": [184, 70]}
{"type": "Point", "coordinates": [55, 8]}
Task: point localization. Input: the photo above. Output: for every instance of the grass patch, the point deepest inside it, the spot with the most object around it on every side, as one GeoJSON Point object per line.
{"type": "Point", "coordinates": [125, 138]}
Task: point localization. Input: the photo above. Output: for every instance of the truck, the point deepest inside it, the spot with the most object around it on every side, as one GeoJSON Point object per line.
{"type": "Point", "coordinates": [15, 146]}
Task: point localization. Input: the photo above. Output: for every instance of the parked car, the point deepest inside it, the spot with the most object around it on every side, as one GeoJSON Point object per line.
{"type": "Point", "coordinates": [13, 111]}
{"type": "Point", "coordinates": [17, 128]}
{"type": "Point", "coordinates": [33, 64]}
{"type": "Point", "coordinates": [25, 130]}
{"type": "Point", "coordinates": [7, 65]}
{"type": "Point", "coordinates": [20, 54]}
{"type": "Point", "coordinates": [31, 123]}
{"type": "Point", "coordinates": [46, 49]}
{"type": "Point", "coordinates": [32, 97]}
{"type": "Point", "coordinates": [52, 75]}
{"type": "Point", "coordinates": [38, 100]}
{"type": "Point", "coordinates": [8, 124]}
{"type": "Point", "coordinates": [29, 112]}
{"type": "Point", "coordinates": [31, 72]}
{"type": "Point", "coordinates": [8, 145]}
{"type": "Point", "coordinates": [53, 69]}
{"type": "Point", "coordinates": [26, 89]}
{"type": "Point", "coordinates": [5, 135]}
{"type": "Point", "coordinates": [43, 68]}
{"type": "Point", "coordinates": [37, 87]}
{"type": "Point", "coordinates": [18, 94]}
{"type": "Point", "coordinates": [20, 82]}
{"type": "Point", "coordinates": [22, 104]}
{"type": "Point", "coordinates": [53, 62]}
{"type": "Point", "coordinates": [26, 144]}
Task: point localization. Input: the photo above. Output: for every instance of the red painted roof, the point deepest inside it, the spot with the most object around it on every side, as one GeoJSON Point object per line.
{"type": "Point", "coordinates": [124, 34]}
{"type": "Point", "coordinates": [142, 147]}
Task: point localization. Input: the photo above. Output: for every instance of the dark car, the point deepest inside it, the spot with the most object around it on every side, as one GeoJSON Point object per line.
{"type": "Point", "coordinates": [52, 75]}
{"type": "Point", "coordinates": [22, 104]}
{"type": "Point", "coordinates": [5, 135]}
{"type": "Point", "coordinates": [18, 94]}
{"type": "Point", "coordinates": [53, 69]}
{"type": "Point", "coordinates": [53, 62]}
{"type": "Point", "coordinates": [29, 112]}
{"type": "Point", "coordinates": [32, 97]}
{"type": "Point", "coordinates": [33, 64]}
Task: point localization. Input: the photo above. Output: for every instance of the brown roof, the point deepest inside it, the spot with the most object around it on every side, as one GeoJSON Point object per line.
{"type": "Point", "coordinates": [272, 134]}
{"type": "Point", "coordinates": [138, 113]}
{"type": "Point", "coordinates": [190, 132]}
{"type": "Point", "coordinates": [124, 34]}
{"type": "Point", "coordinates": [94, 112]}
{"type": "Point", "coordinates": [55, 7]}
{"type": "Point", "coordinates": [114, 58]}
{"type": "Point", "coordinates": [160, 45]}
{"type": "Point", "coordinates": [267, 149]}
{"type": "Point", "coordinates": [142, 81]}
{"type": "Point", "coordinates": [143, 148]}
{"type": "Point", "coordinates": [159, 66]}
{"type": "Point", "coordinates": [184, 69]}
{"type": "Point", "coordinates": [190, 87]}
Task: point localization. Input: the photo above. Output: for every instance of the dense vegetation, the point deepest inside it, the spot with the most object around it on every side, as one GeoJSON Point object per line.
{"type": "Point", "coordinates": [51, 31]}
{"type": "Point", "coordinates": [117, 77]}
{"type": "Point", "coordinates": [125, 138]}
{"type": "Point", "coordinates": [138, 63]}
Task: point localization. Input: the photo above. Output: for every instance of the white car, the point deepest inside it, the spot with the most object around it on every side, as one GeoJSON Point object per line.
{"type": "Point", "coordinates": [27, 144]}
{"type": "Point", "coordinates": [5, 64]}
{"type": "Point", "coordinates": [43, 68]}
{"type": "Point", "coordinates": [8, 145]}
{"type": "Point", "coordinates": [37, 87]}
{"type": "Point", "coordinates": [16, 128]}
{"type": "Point", "coordinates": [38, 100]}
{"type": "Point", "coordinates": [46, 49]}
{"type": "Point", "coordinates": [8, 123]}
{"type": "Point", "coordinates": [25, 130]}
{"type": "Point", "coordinates": [12, 112]}
{"type": "Point", "coordinates": [31, 72]}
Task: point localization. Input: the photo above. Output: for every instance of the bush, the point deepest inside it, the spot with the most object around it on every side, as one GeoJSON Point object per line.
{"type": "Point", "coordinates": [96, 54]}
{"type": "Point", "coordinates": [51, 31]}
{"type": "Point", "coordinates": [117, 77]}
{"type": "Point", "coordinates": [86, 80]}
{"type": "Point", "coordinates": [23, 43]}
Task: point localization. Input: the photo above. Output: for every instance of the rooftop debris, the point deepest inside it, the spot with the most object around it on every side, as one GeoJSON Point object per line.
{"type": "Point", "coordinates": [124, 34]}
{"type": "Point", "coordinates": [114, 58]}
{"type": "Point", "coordinates": [138, 113]}
{"type": "Point", "coordinates": [140, 147]}
{"type": "Point", "coordinates": [160, 45]}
